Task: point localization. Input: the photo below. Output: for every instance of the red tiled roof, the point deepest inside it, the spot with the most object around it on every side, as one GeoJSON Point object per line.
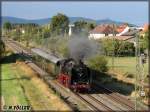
{"type": "Point", "coordinates": [121, 28]}
{"type": "Point", "coordinates": [108, 28]}
{"type": "Point", "coordinates": [104, 28]}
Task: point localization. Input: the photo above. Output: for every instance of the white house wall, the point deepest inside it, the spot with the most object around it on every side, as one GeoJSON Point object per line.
{"type": "Point", "coordinates": [96, 36]}
{"type": "Point", "coordinates": [110, 35]}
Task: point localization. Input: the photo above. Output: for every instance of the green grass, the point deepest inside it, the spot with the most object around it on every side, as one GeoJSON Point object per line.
{"type": "Point", "coordinates": [125, 65]}
{"type": "Point", "coordinates": [11, 89]}
{"type": "Point", "coordinates": [16, 84]}
{"type": "Point", "coordinates": [22, 87]}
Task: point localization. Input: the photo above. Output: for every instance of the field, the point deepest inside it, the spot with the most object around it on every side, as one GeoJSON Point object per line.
{"type": "Point", "coordinates": [125, 66]}
{"type": "Point", "coordinates": [21, 86]}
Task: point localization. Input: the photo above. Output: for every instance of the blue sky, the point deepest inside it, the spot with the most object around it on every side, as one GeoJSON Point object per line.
{"type": "Point", "coordinates": [132, 12]}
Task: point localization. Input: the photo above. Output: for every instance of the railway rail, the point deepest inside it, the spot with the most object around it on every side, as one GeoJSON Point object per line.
{"type": "Point", "coordinates": [116, 96]}
{"type": "Point", "coordinates": [105, 100]}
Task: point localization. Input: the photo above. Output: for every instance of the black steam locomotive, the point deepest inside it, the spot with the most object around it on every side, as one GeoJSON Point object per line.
{"type": "Point", "coordinates": [70, 73]}
{"type": "Point", "coordinates": [74, 74]}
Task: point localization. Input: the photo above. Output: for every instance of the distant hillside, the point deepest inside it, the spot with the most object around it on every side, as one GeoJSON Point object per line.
{"type": "Point", "coordinates": [21, 20]}
{"type": "Point", "coordinates": [108, 21]}
{"type": "Point", "coordinates": [47, 20]}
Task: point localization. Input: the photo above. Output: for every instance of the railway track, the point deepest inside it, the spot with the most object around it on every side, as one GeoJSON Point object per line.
{"type": "Point", "coordinates": [116, 97]}
{"type": "Point", "coordinates": [121, 103]}
{"type": "Point", "coordinates": [96, 104]}
{"type": "Point", "coordinates": [107, 100]}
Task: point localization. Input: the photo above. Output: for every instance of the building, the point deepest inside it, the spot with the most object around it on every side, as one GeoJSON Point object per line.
{"type": "Point", "coordinates": [102, 31]}
{"type": "Point", "coordinates": [122, 29]}
{"type": "Point", "coordinates": [121, 32]}
{"type": "Point", "coordinates": [129, 34]}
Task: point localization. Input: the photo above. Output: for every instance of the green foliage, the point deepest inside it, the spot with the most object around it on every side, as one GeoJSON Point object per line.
{"type": "Point", "coordinates": [62, 47]}
{"type": "Point", "coordinates": [51, 44]}
{"type": "Point", "coordinates": [7, 25]}
{"type": "Point", "coordinates": [79, 26]}
{"type": "Point", "coordinates": [2, 48]}
{"type": "Point", "coordinates": [57, 45]}
{"type": "Point", "coordinates": [59, 24]}
{"type": "Point", "coordinates": [6, 28]}
{"type": "Point", "coordinates": [82, 27]}
{"type": "Point", "coordinates": [31, 33]}
{"type": "Point", "coordinates": [117, 48]}
{"type": "Point", "coordinates": [126, 49]}
{"type": "Point", "coordinates": [98, 63]}
{"type": "Point", "coordinates": [144, 41]}
{"type": "Point", "coordinates": [46, 33]}
{"type": "Point", "coordinates": [108, 46]}
{"type": "Point", "coordinates": [16, 34]}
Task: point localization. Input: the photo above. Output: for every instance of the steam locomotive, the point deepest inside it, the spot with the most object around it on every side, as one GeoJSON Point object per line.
{"type": "Point", "coordinates": [71, 73]}
{"type": "Point", "coordinates": [74, 74]}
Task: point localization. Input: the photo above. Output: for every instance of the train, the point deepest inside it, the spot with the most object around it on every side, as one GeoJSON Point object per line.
{"type": "Point", "coordinates": [70, 73]}
{"type": "Point", "coordinates": [74, 74]}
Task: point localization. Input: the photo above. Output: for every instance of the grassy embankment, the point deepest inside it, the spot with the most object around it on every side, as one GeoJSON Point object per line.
{"type": "Point", "coordinates": [122, 77]}
{"type": "Point", "coordinates": [125, 65]}
{"type": "Point", "coordinates": [21, 86]}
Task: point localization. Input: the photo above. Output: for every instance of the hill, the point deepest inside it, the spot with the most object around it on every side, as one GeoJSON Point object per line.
{"type": "Point", "coordinates": [47, 20]}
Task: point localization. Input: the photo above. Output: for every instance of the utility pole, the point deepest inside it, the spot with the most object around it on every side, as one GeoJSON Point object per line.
{"type": "Point", "coordinates": [70, 29]}
{"type": "Point", "coordinates": [149, 58]}
{"type": "Point", "coordinates": [140, 74]}
{"type": "Point", "coordinates": [137, 54]}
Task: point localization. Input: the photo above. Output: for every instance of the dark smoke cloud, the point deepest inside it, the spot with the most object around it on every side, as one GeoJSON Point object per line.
{"type": "Point", "coordinates": [82, 48]}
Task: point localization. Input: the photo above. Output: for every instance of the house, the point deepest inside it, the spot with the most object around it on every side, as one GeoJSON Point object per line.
{"type": "Point", "coordinates": [102, 31]}
{"type": "Point", "coordinates": [107, 30]}
{"type": "Point", "coordinates": [122, 29]}
{"type": "Point", "coordinates": [121, 32]}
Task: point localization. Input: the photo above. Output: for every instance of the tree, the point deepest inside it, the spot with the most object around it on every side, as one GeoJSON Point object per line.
{"type": "Point", "coordinates": [91, 26]}
{"type": "Point", "coordinates": [46, 32]}
{"type": "Point", "coordinates": [144, 41]}
{"type": "Point", "coordinates": [83, 27]}
{"type": "Point", "coordinates": [59, 24]}
{"type": "Point", "coordinates": [79, 26]}
{"type": "Point", "coordinates": [7, 27]}
{"type": "Point", "coordinates": [108, 46]}
{"type": "Point", "coordinates": [98, 63]}
{"type": "Point", "coordinates": [126, 49]}
{"type": "Point", "coordinates": [117, 47]}
{"type": "Point", "coordinates": [2, 48]}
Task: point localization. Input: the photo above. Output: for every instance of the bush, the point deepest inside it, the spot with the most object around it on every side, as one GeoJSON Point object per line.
{"type": "Point", "coordinates": [98, 63]}
{"type": "Point", "coordinates": [119, 48]}
{"type": "Point", "coordinates": [62, 47]}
